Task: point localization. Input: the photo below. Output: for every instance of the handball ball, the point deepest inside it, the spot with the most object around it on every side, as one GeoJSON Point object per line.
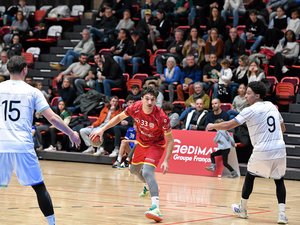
{"type": "Point", "coordinates": [97, 142]}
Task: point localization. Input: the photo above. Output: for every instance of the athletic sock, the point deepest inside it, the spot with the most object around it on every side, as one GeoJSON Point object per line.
{"type": "Point", "coordinates": [155, 201]}
{"type": "Point", "coordinates": [244, 203]}
{"type": "Point", "coordinates": [281, 207]}
{"type": "Point", "coordinates": [51, 220]}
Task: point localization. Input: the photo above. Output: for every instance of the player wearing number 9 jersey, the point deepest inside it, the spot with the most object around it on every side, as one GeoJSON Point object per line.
{"type": "Point", "coordinates": [268, 159]}
{"type": "Point", "coordinates": [18, 101]}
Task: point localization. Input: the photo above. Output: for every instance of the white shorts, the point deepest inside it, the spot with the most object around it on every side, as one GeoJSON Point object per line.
{"type": "Point", "coordinates": [274, 168]}
{"type": "Point", "coordinates": [25, 165]}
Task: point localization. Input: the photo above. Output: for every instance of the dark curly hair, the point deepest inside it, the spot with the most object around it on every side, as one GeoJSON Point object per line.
{"type": "Point", "coordinates": [259, 88]}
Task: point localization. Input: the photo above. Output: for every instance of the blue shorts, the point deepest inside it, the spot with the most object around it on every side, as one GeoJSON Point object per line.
{"type": "Point", "coordinates": [25, 165]}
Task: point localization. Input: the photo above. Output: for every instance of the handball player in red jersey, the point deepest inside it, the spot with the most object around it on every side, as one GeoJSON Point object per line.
{"type": "Point", "coordinates": [154, 135]}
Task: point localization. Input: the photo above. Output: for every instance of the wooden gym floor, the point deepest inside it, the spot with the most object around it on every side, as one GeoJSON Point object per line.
{"type": "Point", "coordinates": [87, 194]}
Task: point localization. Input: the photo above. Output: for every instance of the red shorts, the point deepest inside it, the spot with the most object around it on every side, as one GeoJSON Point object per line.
{"type": "Point", "coordinates": [147, 155]}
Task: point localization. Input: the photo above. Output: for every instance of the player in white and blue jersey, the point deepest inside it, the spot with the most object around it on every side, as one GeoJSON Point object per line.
{"type": "Point", "coordinates": [18, 102]}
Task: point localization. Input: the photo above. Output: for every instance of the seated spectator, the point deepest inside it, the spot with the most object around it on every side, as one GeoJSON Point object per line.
{"type": "Point", "coordinates": [214, 45]}
{"type": "Point", "coordinates": [120, 6]}
{"type": "Point", "coordinates": [272, 5]}
{"type": "Point", "coordinates": [215, 21]}
{"type": "Point", "coordinates": [190, 74]}
{"type": "Point", "coordinates": [148, 6]}
{"type": "Point", "coordinates": [104, 29]}
{"type": "Point", "coordinates": [167, 107]}
{"type": "Point", "coordinates": [136, 53]}
{"type": "Point", "coordinates": [107, 113]}
{"type": "Point", "coordinates": [294, 23]}
{"type": "Point", "coordinates": [135, 93]}
{"type": "Point", "coordinates": [170, 78]}
{"type": "Point", "coordinates": [65, 115]}
{"type": "Point", "coordinates": [143, 26]}
{"type": "Point", "coordinates": [286, 53]}
{"type": "Point", "coordinates": [195, 120]}
{"type": "Point", "coordinates": [109, 75]}
{"type": "Point", "coordinates": [67, 92]}
{"type": "Point", "coordinates": [15, 47]}
{"type": "Point", "coordinates": [174, 49]}
{"type": "Point", "coordinates": [216, 113]}
{"type": "Point", "coordinates": [154, 84]}
{"type": "Point", "coordinates": [255, 73]}
{"type": "Point", "coordinates": [254, 30]}
{"type": "Point", "coordinates": [9, 15]}
{"type": "Point", "coordinates": [235, 8]}
{"type": "Point", "coordinates": [19, 26]}
{"type": "Point", "coordinates": [126, 22]}
{"type": "Point", "coordinates": [191, 101]}
{"type": "Point", "coordinates": [210, 72]}
{"type": "Point", "coordinates": [121, 44]}
{"type": "Point", "coordinates": [194, 45]}
{"type": "Point", "coordinates": [48, 94]}
{"type": "Point", "coordinates": [234, 47]}
{"type": "Point", "coordinates": [239, 102]}
{"type": "Point", "coordinates": [85, 46]}
{"type": "Point", "coordinates": [4, 73]}
{"type": "Point", "coordinates": [76, 71]}
{"type": "Point", "coordinates": [198, 9]}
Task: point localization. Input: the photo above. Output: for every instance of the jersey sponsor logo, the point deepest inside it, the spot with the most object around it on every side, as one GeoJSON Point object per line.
{"type": "Point", "coordinates": [151, 125]}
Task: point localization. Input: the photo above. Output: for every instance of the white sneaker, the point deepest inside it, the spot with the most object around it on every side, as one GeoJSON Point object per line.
{"type": "Point", "coordinates": [237, 209]}
{"type": "Point", "coordinates": [90, 149]}
{"type": "Point", "coordinates": [282, 219]}
{"type": "Point", "coordinates": [284, 69]}
{"type": "Point", "coordinates": [50, 149]}
{"type": "Point", "coordinates": [114, 153]}
{"type": "Point", "coordinates": [100, 151]}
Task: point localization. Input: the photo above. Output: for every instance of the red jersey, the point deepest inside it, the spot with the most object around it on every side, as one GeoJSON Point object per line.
{"type": "Point", "coordinates": [150, 127]}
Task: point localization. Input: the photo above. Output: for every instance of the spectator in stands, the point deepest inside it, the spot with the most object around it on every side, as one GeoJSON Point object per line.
{"type": "Point", "coordinates": [235, 8]}
{"type": "Point", "coordinates": [254, 30]}
{"type": "Point", "coordinates": [107, 113]}
{"type": "Point", "coordinates": [214, 45]}
{"type": "Point", "coordinates": [119, 131]}
{"type": "Point", "coordinates": [294, 23]}
{"type": "Point", "coordinates": [67, 92]}
{"type": "Point", "coordinates": [194, 45]}
{"type": "Point", "coordinates": [190, 74]}
{"type": "Point", "coordinates": [94, 67]}
{"type": "Point", "coordinates": [174, 49]}
{"type": "Point", "coordinates": [216, 113]}
{"type": "Point", "coordinates": [286, 53]}
{"type": "Point", "coordinates": [195, 120]}
{"type": "Point", "coordinates": [135, 93]}
{"type": "Point", "coordinates": [4, 73]}
{"type": "Point", "coordinates": [155, 84]}
{"type": "Point", "coordinates": [277, 28]}
{"type": "Point", "coordinates": [121, 44]}
{"type": "Point", "coordinates": [28, 80]}
{"type": "Point", "coordinates": [105, 27]}
{"type": "Point", "coordinates": [15, 47]}
{"type": "Point", "coordinates": [19, 26]}
{"type": "Point", "coordinates": [234, 47]}
{"type": "Point", "coordinates": [167, 107]}
{"type": "Point", "coordinates": [39, 85]}
{"type": "Point", "coordinates": [190, 103]}
{"type": "Point", "coordinates": [198, 9]}
{"type": "Point", "coordinates": [143, 26]}
{"type": "Point", "coordinates": [210, 70]}
{"type": "Point", "coordinates": [136, 53]}
{"type": "Point", "coordinates": [109, 74]}
{"type": "Point", "coordinates": [215, 21]}
{"type": "Point", "coordinates": [120, 6]}
{"type": "Point", "coordinates": [85, 46]}
{"type": "Point", "coordinates": [148, 5]}
{"type": "Point", "coordinates": [76, 71]}
{"type": "Point", "coordinates": [65, 115]}
{"type": "Point", "coordinates": [255, 73]}
{"type": "Point", "coordinates": [126, 22]}
{"type": "Point", "coordinates": [170, 78]}
{"type": "Point", "coordinates": [160, 28]}
{"type": "Point", "coordinates": [239, 102]}
{"type": "Point", "coordinates": [10, 13]}
{"type": "Point", "coordinates": [272, 5]}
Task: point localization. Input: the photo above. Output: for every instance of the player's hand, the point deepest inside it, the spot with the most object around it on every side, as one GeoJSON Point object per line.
{"type": "Point", "coordinates": [164, 166]}
{"type": "Point", "coordinates": [75, 139]}
{"type": "Point", "coordinates": [210, 126]}
{"type": "Point", "coordinates": [95, 134]}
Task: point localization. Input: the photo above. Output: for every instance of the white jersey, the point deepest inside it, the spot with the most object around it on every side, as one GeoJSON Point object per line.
{"type": "Point", "coordinates": [264, 124]}
{"type": "Point", "coordinates": [18, 101]}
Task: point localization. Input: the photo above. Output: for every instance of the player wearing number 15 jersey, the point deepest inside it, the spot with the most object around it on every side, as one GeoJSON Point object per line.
{"type": "Point", "coordinates": [268, 159]}
{"type": "Point", "coordinates": [153, 128]}
{"type": "Point", "coordinates": [18, 101]}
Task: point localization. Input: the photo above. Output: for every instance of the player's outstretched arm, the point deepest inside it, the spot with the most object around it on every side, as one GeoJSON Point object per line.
{"type": "Point", "coordinates": [227, 125]}
{"type": "Point", "coordinates": [114, 121]}
{"type": "Point", "coordinates": [56, 121]}
{"type": "Point", "coordinates": [169, 148]}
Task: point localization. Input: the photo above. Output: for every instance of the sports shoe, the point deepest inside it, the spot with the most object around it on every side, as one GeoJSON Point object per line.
{"type": "Point", "coordinates": [123, 165]}
{"type": "Point", "coordinates": [50, 149]}
{"type": "Point", "coordinates": [282, 219]}
{"type": "Point", "coordinates": [284, 69]}
{"type": "Point", "coordinates": [114, 153]}
{"type": "Point", "coordinates": [212, 167]}
{"type": "Point", "coordinates": [116, 164]}
{"type": "Point", "coordinates": [145, 192]}
{"type": "Point", "coordinates": [100, 151]}
{"type": "Point", "coordinates": [56, 66]}
{"type": "Point", "coordinates": [154, 214]}
{"type": "Point", "coordinates": [233, 174]}
{"type": "Point", "coordinates": [237, 209]}
{"type": "Point", "coordinates": [90, 149]}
